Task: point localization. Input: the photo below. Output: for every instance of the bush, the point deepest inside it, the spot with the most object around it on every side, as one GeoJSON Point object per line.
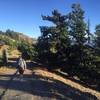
{"type": "Point", "coordinates": [28, 51]}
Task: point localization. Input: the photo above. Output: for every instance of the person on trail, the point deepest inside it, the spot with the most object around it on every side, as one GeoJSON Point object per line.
{"type": "Point", "coordinates": [21, 65]}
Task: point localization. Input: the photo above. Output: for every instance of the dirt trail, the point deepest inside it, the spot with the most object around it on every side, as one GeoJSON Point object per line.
{"type": "Point", "coordinates": [18, 88]}
{"type": "Point", "coordinates": [13, 87]}
{"type": "Point", "coordinates": [41, 85]}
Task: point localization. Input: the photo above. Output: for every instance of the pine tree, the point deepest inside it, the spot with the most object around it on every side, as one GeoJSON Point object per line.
{"type": "Point", "coordinates": [80, 51]}
{"type": "Point", "coordinates": [97, 40]}
{"type": "Point", "coordinates": [54, 39]}
{"type": "Point", "coordinates": [97, 33]}
{"type": "Point", "coordinates": [77, 24]}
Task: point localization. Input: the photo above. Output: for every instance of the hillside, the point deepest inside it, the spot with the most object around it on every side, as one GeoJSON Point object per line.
{"type": "Point", "coordinates": [17, 36]}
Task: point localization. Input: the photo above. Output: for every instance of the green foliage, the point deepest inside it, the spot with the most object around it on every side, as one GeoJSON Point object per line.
{"type": "Point", "coordinates": [77, 25]}
{"type": "Point", "coordinates": [65, 42]}
{"type": "Point", "coordinates": [81, 53]}
{"type": "Point", "coordinates": [27, 50]}
{"type": "Point", "coordinates": [18, 40]}
{"type": "Point", "coordinates": [97, 47]}
{"type": "Point", "coordinates": [54, 40]}
{"type": "Point", "coordinates": [97, 33]}
{"type": "Point", "coordinates": [8, 41]}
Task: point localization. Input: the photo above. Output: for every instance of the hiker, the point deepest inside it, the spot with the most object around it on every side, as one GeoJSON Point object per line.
{"type": "Point", "coordinates": [21, 65]}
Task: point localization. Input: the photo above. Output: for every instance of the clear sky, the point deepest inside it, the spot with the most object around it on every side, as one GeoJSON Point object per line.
{"type": "Point", "coordinates": [25, 15]}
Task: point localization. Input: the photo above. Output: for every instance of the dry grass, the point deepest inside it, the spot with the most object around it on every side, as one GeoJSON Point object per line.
{"type": "Point", "coordinates": [50, 75]}
{"type": "Point", "coordinates": [15, 54]}
{"type": "Point", "coordinates": [5, 70]}
{"type": "Point", "coordinates": [2, 48]}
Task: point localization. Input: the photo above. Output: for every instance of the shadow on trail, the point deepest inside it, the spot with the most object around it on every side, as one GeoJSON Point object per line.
{"type": "Point", "coordinates": [44, 87]}
{"type": "Point", "coordinates": [15, 83]}
{"type": "Point", "coordinates": [6, 84]}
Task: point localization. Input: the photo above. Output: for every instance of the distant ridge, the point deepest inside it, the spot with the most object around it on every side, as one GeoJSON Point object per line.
{"type": "Point", "coordinates": [18, 36]}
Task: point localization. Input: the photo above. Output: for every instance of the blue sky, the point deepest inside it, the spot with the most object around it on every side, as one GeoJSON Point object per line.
{"type": "Point", "coordinates": [25, 15]}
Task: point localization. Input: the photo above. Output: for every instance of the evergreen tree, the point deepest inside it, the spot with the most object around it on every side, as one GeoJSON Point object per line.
{"type": "Point", "coordinates": [77, 25]}
{"type": "Point", "coordinates": [97, 33]}
{"type": "Point", "coordinates": [54, 39]}
{"type": "Point", "coordinates": [97, 40]}
{"type": "Point", "coordinates": [80, 51]}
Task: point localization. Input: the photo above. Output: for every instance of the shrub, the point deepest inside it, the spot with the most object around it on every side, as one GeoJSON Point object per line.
{"type": "Point", "coordinates": [28, 51]}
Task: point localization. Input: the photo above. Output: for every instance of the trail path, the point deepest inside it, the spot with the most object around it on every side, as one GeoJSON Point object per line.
{"type": "Point", "coordinates": [41, 85]}
{"type": "Point", "coordinates": [13, 87]}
